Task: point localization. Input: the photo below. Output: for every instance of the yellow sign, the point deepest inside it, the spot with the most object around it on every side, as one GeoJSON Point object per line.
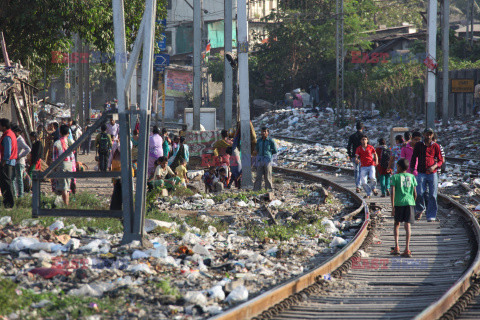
{"type": "Point", "coordinates": [463, 86]}
{"type": "Point", "coordinates": [67, 85]}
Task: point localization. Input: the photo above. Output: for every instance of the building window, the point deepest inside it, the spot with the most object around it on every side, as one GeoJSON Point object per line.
{"type": "Point", "coordinates": [169, 4]}
{"type": "Point", "coordinates": [168, 34]}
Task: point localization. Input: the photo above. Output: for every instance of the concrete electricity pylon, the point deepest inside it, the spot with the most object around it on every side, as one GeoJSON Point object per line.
{"type": "Point", "coordinates": [430, 94]}
{"type": "Point", "coordinates": [339, 63]}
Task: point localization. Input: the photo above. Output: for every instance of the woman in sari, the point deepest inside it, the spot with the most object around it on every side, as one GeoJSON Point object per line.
{"type": "Point", "coordinates": [182, 153]}
{"type": "Point", "coordinates": [155, 150]}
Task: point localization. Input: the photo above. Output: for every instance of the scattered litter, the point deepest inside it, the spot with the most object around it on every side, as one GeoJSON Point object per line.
{"type": "Point", "coordinates": [57, 225]}
{"type": "Point", "coordinates": [338, 242]}
{"type": "Point", "coordinates": [5, 220]}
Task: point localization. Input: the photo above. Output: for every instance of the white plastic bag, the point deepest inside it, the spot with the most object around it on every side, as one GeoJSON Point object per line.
{"type": "Point", "coordinates": [216, 293]}
{"type": "Point", "coordinates": [238, 294]}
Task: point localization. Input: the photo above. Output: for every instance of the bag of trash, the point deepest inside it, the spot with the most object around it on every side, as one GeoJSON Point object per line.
{"type": "Point", "coordinates": [338, 242]}
{"type": "Point", "coordinates": [238, 294]}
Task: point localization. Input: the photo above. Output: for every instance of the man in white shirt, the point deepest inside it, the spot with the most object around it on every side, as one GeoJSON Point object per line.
{"type": "Point", "coordinates": [22, 151]}
{"type": "Point", "coordinates": [113, 129]}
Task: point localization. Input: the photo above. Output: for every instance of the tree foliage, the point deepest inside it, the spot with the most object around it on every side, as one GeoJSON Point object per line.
{"type": "Point", "coordinates": [33, 29]}
{"type": "Point", "coordinates": [301, 45]}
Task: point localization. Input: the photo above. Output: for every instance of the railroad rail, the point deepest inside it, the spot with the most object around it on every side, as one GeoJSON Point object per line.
{"type": "Point", "coordinates": [291, 291]}
{"type": "Point", "coordinates": [440, 288]}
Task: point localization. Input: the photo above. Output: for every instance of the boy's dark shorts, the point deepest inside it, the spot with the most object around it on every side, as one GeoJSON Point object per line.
{"type": "Point", "coordinates": [405, 214]}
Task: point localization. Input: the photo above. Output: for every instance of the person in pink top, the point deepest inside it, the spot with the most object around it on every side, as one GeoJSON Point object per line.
{"type": "Point", "coordinates": [407, 151]}
{"type": "Point", "coordinates": [297, 99]}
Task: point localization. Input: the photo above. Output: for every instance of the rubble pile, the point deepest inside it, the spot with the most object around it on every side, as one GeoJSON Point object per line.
{"type": "Point", "coordinates": [196, 264]}
{"type": "Point", "coordinates": [460, 138]}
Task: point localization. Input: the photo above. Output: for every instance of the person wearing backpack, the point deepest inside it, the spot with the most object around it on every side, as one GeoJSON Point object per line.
{"type": "Point", "coordinates": [384, 154]}
{"type": "Point", "coordinates": [103, 144]}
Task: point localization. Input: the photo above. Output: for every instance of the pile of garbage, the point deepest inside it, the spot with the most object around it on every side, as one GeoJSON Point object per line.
{"type": "Point", "coordinates": [460, 138]}
{"type": "Point", "coordinates": [200, 270]}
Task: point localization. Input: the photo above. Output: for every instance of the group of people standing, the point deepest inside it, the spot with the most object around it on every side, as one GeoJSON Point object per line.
{"type": "Point", "coordinates": [227, 171]}
{"type": "Point", "coordinates": [14, 152]}
{"type": "Point", "coordinates": [413, 162]}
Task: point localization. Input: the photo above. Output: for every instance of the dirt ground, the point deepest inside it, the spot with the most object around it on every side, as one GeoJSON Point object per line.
{"type": "Point", "coordinates": [102, 187]}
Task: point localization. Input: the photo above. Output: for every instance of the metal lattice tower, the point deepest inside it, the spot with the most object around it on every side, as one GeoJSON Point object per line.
{"type": "Point", "coordinates": [339, 57]}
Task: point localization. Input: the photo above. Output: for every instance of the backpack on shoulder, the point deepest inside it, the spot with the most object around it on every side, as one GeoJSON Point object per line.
{"type": "Point", "coordinates": [104, 144]}
{"type": "Point", "coordinates": [385, 157]}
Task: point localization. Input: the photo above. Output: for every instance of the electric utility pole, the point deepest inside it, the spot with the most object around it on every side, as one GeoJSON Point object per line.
{"type": "Point", "coordinates": [228, 72]}
{"type": "Point", "coordinates": [197, 68]}
{"type": "Point", "coordinates": [445, 49]}
{"type": "Point", "coordinates": [242, 48]}
{"type": "Point", "coordinates": [339, 63]}
{"type": "Point", "coordinates": [430, 96]}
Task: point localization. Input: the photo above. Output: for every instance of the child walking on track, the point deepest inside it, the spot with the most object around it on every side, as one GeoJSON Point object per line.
{"type": "Point", "coordinates": [367, 157]}
{"type": "Point", "coordinates": [383, 154]}
{"type": "Point", "coordinates": [403, 197]}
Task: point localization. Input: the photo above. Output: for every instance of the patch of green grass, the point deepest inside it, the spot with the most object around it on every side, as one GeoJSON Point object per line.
{"type": "Point", "coordinates": [13, 299]}
{"type": "Point", "coordinates": [301, 193]}
{"type": "Point", "coordinates": [242, 195]}
{"type": "Point", "coordinates": [155, 194]}
{"type": "Point", "coordinates": [195, 221]}
{"type": "Point", "coordinates": [83, 200]}
{"type": "Point", "coordinates": [182, 192]}
{"type": "Point", "coordinates": [160, 215]}
{"type": "Point", "coordinates": [291, 229]}
{"type": "Point", "coordinates": [278, 180]}
{"type": "Point", "coordinates": [167, 288]}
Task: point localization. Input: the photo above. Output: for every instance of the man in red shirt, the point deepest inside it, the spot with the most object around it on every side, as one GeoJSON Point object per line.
{"type": "Point", "coordinates": [367, 157]}
{"type": "Point", "coordinates": [429, 160]}
{"type": "Point", "coordinates": [8, 157]}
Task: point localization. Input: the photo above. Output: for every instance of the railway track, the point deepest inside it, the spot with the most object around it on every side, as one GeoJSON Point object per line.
{"type": "Point", "coordinates": [466, 164]}
{"type": "Point", "coordinates": [438, 282]}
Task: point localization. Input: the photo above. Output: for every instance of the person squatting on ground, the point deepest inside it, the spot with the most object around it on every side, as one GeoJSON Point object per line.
{"type": "Point", "coordinates": [62, 186]}
{"type": "Point", "coordinates": [8, 156]}
{"type": "Point", "coordinates": [368, 160]}
{"type": "Point", "coordinates": [103, 145]}
{"type": "Point", "coordinates": [164, 177]}
{"type": "Point", "coordinates": [403, 204]}
{"type": "Point", "coordinates": [384, 155]}
{"type": "Point", "coordinates": [211, 181]}
{"type": "Point", "coordinates": [265, 149]}
{"type": "Point", "coordinates": [353, 144]}
{"type": "Point", "coordinates": [430, 159]}
{"type": "Point", "coordinates": [181, 172]}
{"type": "Point", "coordinates": [22, 151]}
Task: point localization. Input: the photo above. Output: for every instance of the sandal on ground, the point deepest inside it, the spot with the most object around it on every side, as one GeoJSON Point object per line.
{"type": "Point", "coordinates": [375, 192]}
{"type": "Point", "coordinates": [357, 190]}
{"type": "Point", "coordinates": [407, 254]}
{"type": "Point", "coordinates": [366, 197]}
{"type": "Point", "coordinates": [395, 251]}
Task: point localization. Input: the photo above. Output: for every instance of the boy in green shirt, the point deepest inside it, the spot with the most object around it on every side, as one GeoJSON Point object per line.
{"type": "Point", "coordinates": [403, 197]}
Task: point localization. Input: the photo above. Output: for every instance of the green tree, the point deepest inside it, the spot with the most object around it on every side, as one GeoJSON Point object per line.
{"type": "Point", "coordinates": [34, 29]}
{"type": "Point", "coordinates": [301, 45]}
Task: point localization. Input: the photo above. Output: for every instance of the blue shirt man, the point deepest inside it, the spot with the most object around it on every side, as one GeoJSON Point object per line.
{"type": "Point", "coordinates": [265, 150]}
